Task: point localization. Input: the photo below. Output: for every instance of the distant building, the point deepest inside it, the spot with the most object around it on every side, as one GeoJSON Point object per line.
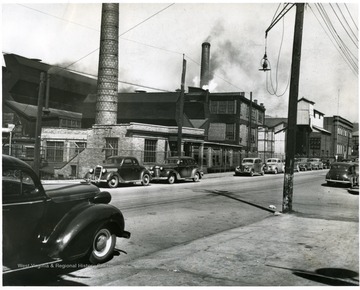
{"type": "Point", "coordinates": [272, 137]}
{"type": "Point", "coordinates": [341, 132]}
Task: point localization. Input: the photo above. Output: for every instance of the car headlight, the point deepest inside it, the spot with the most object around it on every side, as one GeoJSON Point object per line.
{"type": "Point", "coordinates": [161, 168]}
{"type": "Point", "coordinates": [91, 171]}
{"type": "Point", "coordinates": [103, 171]}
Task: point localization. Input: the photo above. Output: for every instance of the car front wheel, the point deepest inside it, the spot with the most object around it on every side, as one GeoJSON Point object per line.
{"type": "Point", "coordinates": [171, 179]}
{"type": "Point", "coordinates": [145, 179]}
{"type": "Point", "coordinates": [196, 177]}
{"type": "Point", "coordinates": [103, 245]}
{"type": "Point", "coordinates": [113, 182]}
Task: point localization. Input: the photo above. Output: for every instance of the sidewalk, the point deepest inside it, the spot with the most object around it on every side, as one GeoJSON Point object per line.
{"type": "Point", "coordinates": [282, 250]}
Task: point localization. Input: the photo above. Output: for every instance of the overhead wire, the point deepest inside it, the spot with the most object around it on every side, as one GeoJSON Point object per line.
{"type": "Point", "coordinates": [141, 43]}
{"type": "Point", "coordinates": [332, 40]}
{"type": "Point", "coordinates": [350, 58]}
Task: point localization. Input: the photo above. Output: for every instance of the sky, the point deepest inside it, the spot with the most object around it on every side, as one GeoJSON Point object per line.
{"type": "Point", "coordinates": [155, 37]}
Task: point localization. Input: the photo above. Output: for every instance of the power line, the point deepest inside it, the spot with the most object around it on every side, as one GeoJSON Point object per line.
{"type": "Point", "coordinates": [343, 50]}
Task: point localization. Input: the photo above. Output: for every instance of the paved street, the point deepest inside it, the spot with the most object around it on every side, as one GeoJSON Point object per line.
{"type": "Point", "coordinates": [175, 227]}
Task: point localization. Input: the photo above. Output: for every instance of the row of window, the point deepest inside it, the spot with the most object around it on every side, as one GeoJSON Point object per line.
{"type": "Point", "coordinates": [229, 107]}
{"type": "Point", "coordinates": [343, 132]}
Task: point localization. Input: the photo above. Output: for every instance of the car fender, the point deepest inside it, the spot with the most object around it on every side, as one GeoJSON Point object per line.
{"type": "Point", "coordinates": [194, 171]}
{"type": "Point", "coordinates": [145, 171]}
{"type": "Point", "coordinates": [72, 236]}
{"type": "Point", "coordinates": [110, 174]}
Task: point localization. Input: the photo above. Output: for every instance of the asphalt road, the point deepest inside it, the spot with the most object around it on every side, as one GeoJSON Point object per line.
{"type": "Point", "coordinates": [161, 216]}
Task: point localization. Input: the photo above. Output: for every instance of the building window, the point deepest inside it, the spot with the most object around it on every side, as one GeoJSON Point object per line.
{"type": "Point", "coordinates": [111, 147]}
{"type": "Point", "coordinates": [29, 152]}
{"type": "Point", "coordinates": [54, 151]}
{"type": "Point", "coordinates": [230, 132]}
{"type": "Point", "coordinates": [79, 147]}
{"type": "Point", "coordinates": [222, 107]}
{"type": "Point", "coordinates": [213, 107]}
{"type": "Point", "coordinates": [70, 123]}
{"type": "Point", "coordinates": [150, 150]}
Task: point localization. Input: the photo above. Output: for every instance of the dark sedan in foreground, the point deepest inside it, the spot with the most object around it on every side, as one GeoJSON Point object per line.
{"type": "Point", "coordinates": [341, 173]}
{"type": "Point", "coordinates": [54, 222]}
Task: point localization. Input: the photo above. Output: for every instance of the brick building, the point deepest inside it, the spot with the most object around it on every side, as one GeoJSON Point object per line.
{"type": "Point", "coordinates": [341, 133]}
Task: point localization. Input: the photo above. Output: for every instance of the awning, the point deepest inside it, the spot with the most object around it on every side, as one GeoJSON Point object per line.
{"type": "Point", "coordinates": [321, 130]}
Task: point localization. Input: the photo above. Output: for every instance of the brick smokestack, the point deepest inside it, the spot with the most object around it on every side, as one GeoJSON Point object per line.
{"type": "Point", "coordinates": [205, 65]}
{"type": "Point", "coordinates": [108, 71]}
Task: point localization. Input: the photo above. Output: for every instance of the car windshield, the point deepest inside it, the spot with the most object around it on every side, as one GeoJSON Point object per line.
{"type": "Point", "coordinates": [271, 161]}
{"type": "Point", "coordinates": [302, 160]}
{"type": "Point", "coordinates": [248, 160]}
{"type": "Point", "coordinates": [340, 166]}
{"type": "Point", "coordinates": [113, 161]}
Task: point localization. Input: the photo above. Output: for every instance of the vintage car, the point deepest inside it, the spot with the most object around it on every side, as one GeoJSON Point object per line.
{"type": "Point", "coordinates": [274, 165]}
{"type": "Point", "coordinates": [250, 166]}
{"type": "Point", "coordinates": [118, 169]}
{"type": "Point", "coordinates": [354, 179]}
{"type": "Point", "coordinates": [303, 164]}
{"type": "Point", "coordinates": [54, 222]}
{"type": "Point", "coordinates": [315, 164]}
{"type": "Point", "coordinates": [342, 173]}
{"type": "Point", "coordinates": [176, 168]}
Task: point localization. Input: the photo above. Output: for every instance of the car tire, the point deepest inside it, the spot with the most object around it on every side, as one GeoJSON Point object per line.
{"type": "Point", "coordinates": [262, 173]}
{"type": "Point", "coordinates": [275, 171]}
{"type": "Point", "coordinates": [251, 173]}
{"type": "Point", "coordinates": [145, 179]}
{"type": "Point", "coordinates": [102, 246]}
{"type": "Point", "coordinates": [171, 178]}
{"type": "Point", "coordinates": [113, 182]}
{"type": "Point", "coordinates": [196, 177]}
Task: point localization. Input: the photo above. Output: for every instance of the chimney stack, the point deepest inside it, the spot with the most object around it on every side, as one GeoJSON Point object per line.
{"type": "Point", "coordinates": [108, 71]}
{"type": "Point", "coordinates": [205, 65]}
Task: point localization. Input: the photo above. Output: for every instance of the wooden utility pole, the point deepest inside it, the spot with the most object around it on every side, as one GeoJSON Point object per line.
{"type": "Point", "coordinates": [181, 108]}
{"type": "Point", "coordinates": [292, 110]}
{"type": "Point", "coordinates": [37, 148]}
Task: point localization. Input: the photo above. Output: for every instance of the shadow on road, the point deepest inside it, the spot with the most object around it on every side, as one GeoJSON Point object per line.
{"type": "Point", "coordinates": [327, 276]}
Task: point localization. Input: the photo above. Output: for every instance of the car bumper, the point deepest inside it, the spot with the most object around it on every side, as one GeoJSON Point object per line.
{"type": "Point", "coordinates": [338, 181]}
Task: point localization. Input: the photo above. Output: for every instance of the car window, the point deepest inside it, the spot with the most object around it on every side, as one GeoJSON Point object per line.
{"type": "Point", "coordinates": [135, 162]}
{"type": "Point", "coordinates": [18, 185]}
{"type": "Point", "coordinates": [127, 161]}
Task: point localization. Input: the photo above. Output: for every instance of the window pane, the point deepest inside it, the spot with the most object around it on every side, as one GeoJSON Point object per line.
{"type": "Point", "coordinates": [150, 150]}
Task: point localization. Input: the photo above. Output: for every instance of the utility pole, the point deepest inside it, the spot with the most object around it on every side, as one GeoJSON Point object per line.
{"type": "Point", "coordinates": [37, 155]}
{"type": "Point", "coordinates": [292, 110]}
{"type": "Point", "coordinates": [181, 108]}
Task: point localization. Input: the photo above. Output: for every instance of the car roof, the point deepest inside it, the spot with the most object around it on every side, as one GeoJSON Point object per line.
{"type": "Point", "coordinates": [13, 162]}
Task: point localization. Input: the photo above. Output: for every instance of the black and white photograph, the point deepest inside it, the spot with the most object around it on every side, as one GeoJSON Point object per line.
{"type": "Point", "coordinates": [180, 144]}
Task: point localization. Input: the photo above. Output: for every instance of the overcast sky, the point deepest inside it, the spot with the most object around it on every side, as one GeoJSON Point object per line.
{"type": "Point", "coordinates": [155, 36]}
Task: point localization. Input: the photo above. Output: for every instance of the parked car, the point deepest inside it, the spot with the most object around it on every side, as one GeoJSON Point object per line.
{"type": "Point", "coordinates": [303, 164]}
{"type": "Point", "coordinates": [250, 166]}
{"type": "Point", "coordinates": [51, 222]}
{"type": "Point", "coordinates": [274, 165]}
{"type": "Point", "coordinates": [176, 168]}
{"type": "Point", "coordinates": [326, 163]}
{"type": "Point", "coordinates": [296, 165]}
{"type": "Point", "coordinates": [315, 163]}
{"type": "Point", "coordinates": [118, 169]}
{"type": "Point", "coordinates": [354, 179]}
{"type": "Point", "coordinates": [342, 173]}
